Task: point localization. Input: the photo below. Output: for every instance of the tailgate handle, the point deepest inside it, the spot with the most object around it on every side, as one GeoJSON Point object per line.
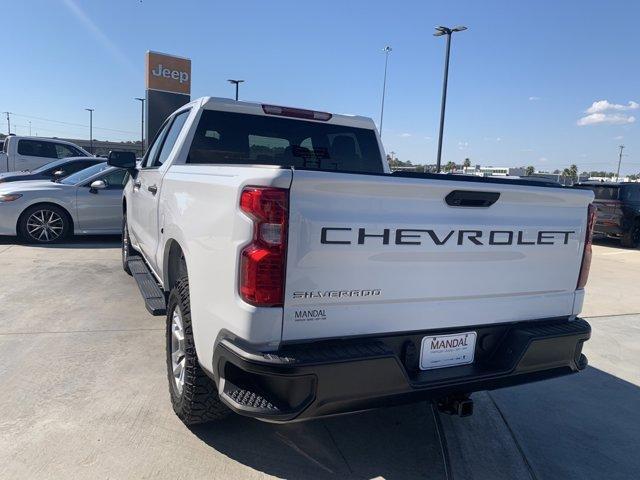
{"type": "Point", "coordinates": [466, 198]}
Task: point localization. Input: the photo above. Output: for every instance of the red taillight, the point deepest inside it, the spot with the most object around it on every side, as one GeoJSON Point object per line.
{"type": "Point", "coordinates": [586, 256]}
{"type": "Point", "coordinates": [296, 113]}
{"type": "Point", "coordinates": [262, 262]}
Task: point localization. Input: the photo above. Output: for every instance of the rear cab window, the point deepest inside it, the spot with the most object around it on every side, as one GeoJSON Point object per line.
{"type": "Point", "coordinates": [235, 138]}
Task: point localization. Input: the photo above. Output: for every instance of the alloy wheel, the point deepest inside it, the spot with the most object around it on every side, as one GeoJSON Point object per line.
{"type": "Point", "coordinates": [177, 350]}
{"type": "Point", "coordinates": [45, 226]}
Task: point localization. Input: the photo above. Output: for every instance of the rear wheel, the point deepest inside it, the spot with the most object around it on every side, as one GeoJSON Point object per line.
{"type": "Point", "coordinates": [44, 224]}
{"type": "Point", "coordinates": [194, 395]}
{"type": "Point", "coordinates": [631, 239]}
{"type": "Point", "coordinates": [126, 245]}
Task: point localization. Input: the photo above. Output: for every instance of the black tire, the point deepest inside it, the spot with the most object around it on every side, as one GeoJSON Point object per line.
{"type": "Point", "coordinates": [126, 245]}
{"type": "Point", "coordinates": [198, 402]}
{"type": "Point", "coordinates": [55, 221]}
{"type": "Point", "coordinates": [631, 239]}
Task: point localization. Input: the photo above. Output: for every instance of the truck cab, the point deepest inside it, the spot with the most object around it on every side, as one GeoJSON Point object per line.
{"type": "Point", "coordinates": [28, 153]}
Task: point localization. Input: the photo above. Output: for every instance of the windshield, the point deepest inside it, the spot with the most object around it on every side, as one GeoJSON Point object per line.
{"type": "Point", "coordinates": [49, 165]}
{"type": "Point", "coordinates": [82, 175]}
{"type": "Point", "coordinates": [235, 138]}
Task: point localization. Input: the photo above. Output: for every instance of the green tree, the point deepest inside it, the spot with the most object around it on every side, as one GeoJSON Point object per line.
{"type": "Point", "coordinates": [529, 170]}
{"type": "Point", "coordinates": [467, 162]}
{"type": "Point", "coordinates": [449, 167]}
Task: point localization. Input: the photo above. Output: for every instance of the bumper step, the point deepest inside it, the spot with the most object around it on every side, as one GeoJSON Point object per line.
{"type": "Point", "coordinates": [154, 299]}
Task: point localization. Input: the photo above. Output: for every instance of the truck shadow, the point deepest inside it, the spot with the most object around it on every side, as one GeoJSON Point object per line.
{"type": "Point", "coordinates": [610, 242]}
{"type": "Point", "coordinates": [394, 443]}
{"type": "Point", "coordinates": [575, 427]}
{"type": "Point", "coordinates": [75, 242]}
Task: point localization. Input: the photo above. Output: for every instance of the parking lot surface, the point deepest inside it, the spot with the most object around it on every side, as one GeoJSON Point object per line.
{"type": "Point", "coordinates": [85, 394]}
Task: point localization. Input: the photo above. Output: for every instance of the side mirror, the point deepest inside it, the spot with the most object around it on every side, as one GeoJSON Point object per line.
{"type": "Point", "coordinates": [98, 185]}
{"type": "Point", "coordinates": [122, 159]}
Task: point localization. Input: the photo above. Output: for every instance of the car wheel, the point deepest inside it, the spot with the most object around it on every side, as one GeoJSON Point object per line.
{"type": "Point", "coordinates": [194, 395]}
{"type": "Point", "coordinates": [631, 239]}
{"type": "Point", "coordinates": [126, 245]}
{"type": "Point", "coordinates": [44, 224]}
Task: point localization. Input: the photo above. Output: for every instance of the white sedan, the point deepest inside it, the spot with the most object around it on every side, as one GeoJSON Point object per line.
{"type": "Point", "coordinates": [88, 202]}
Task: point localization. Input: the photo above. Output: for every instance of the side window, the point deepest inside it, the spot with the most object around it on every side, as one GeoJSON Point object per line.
{"type": "Point", "coordinates": [172, 136]}
{"type": "Point", "coordinates": [74, 167]}
{"type": "Point", "coordinates": [63, 151]}
{"type": "Point", "coordinates": [152, 152]}
{"type": "Point", "coordinates": [37, 148]}
{"type": "Point", "coordinates": [115, 180]}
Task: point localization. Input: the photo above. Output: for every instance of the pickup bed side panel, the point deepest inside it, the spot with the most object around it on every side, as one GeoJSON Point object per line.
{"type": "Point", "coordinates": [199, 209]}
{"type": "Point", "coordinates": [394, 256]}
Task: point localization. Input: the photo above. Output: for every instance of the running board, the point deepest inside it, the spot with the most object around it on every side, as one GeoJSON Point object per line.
{"type": "Point", "coordinates": [153, 295]}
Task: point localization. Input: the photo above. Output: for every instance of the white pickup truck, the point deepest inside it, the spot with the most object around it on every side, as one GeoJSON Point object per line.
{"type": "Point", "coordinates": [29, 153]}
{"type": "Point", "coordinates": [300, 278]}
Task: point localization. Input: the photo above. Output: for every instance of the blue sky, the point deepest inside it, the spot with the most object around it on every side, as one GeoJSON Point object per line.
{"type": "Point", "coordinates": [522, 77]}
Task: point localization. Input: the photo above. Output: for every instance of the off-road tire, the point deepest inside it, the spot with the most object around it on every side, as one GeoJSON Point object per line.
{"type": "Point", "coordinates": [631, 239]}
{"type": "Point", "coordinates": [126, 245]}
{"type": "Point", "coordinates": [46, 208]}
{"type": "Point", "coordinates": [198, 402]}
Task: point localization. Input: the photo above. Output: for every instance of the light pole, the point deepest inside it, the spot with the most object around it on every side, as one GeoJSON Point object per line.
{"type": "Point", "coordinates": [141, 100]}
{"type": "Point", "coordinates": [440, 31]}
{"type": "Point", "coordinates": [621, 147]}
{"type": "Point", "coordinates": [90, 110]}
{"type": "Point", "coordinates": [386, 50]}
{"type": "Point", "coordinates": [236, 83]}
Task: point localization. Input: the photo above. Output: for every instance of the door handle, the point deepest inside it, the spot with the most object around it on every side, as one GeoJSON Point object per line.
{"type": "Point", "coordinates": [137, 184]}
{"type": "Point", "coordinates": [153, 189]}
{"type": "Point", "coordinates": [466, 198]}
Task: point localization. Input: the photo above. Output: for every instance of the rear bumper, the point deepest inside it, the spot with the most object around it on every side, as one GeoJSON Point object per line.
{"type": "Point", "coordinates": [311, 380]}
{"type": "Point", "coordinates": [609, 229]}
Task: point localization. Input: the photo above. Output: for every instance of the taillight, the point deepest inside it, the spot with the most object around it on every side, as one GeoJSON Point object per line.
{"type": "Point", "coordinates": [262, 262]}
{"type": "Point", "coordinates": [586, 256]}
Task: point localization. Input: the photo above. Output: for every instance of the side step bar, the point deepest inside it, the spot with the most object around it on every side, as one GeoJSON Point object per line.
{"type": "Point", "coordinates": [154, 299]}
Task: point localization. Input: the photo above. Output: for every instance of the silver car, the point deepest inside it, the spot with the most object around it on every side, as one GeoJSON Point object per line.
{"type": "Point", "coordinates": [89, 202]}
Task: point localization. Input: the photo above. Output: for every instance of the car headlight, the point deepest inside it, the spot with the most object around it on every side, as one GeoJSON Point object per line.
{"type": "Point", "coordinates": [9, 197]}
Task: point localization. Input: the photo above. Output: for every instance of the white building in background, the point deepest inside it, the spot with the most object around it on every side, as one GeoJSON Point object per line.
{"type": "Point", "coordinates": [494, 171]}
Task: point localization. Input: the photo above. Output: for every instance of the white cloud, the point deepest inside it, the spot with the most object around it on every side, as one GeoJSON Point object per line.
{"type": "Point", "coordinates": [618, 137]}
{"type": "Point", "coordinates": [606, 118]}
{"type": "Point", "coordinates": [534, 99]}
{"type": "Point", "coordinates": [405, 135]}
{"type": "Point", "coordinates": [463, 145]}
{"type": "Point", "coordinates": [605, 106]}
{"type": "Point", "coordinates": [543, 159]}
{"type": "Point", "coordinates": [427, 138]}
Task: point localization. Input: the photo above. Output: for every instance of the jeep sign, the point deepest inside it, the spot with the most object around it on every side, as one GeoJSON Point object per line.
{"type": "Point", "coordinates": [168, 73]}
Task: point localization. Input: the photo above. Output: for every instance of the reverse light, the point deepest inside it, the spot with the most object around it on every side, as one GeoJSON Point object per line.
{"type": "Point", "coordinates": [9, 197]}
{"type": "Point", "coordinates": [296, 113]}
{"type": "Point", "coordinates": [262, 262]}
{"type": "Point", "coordinates": [588, 241]}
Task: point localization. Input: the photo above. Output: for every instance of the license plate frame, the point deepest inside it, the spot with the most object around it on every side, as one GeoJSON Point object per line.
{"type": "Point", "coordinates": [449, 350]}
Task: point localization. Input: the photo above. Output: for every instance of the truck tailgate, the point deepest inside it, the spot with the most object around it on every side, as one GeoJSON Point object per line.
{"type": "Point", "coordinates": [372, 254]}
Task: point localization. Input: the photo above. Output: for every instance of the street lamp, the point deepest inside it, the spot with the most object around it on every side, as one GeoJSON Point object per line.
{"type": "Point", "coordinates": [440, 31]}
{"type": "Point", "coordinates": [141, 100]}
{"type": "Point", "coordinates": [236, 83]}
{"type": "Point", "coordinates": [90, 110]}
{"type": "Point", "coordinates": [386, 50]}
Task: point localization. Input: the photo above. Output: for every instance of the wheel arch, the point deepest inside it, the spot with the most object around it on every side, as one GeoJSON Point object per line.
{"type": "Point", "coordinates": [174, 263]}
{"type": "Point", "coordinates": [43, 203]}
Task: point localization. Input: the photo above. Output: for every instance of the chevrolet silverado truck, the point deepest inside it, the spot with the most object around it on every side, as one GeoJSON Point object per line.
{"type": "Point", "coordinates": [300, 278]}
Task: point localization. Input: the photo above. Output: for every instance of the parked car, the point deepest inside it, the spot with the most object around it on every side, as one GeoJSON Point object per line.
{"type": "Point", "coordinates": [29, 153]}
{"type": "Point", "coordinates": [56, 170]}
{"type": "Point", "coordinates": [305, 280]}
{"type": "Point", "coordinates": [88, 202]}
{"type": "Point", "coordinates": [618, 207]}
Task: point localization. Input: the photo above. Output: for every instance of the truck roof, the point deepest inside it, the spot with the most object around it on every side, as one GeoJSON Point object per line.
{"type": "Point", "coordinates": [255, 108]}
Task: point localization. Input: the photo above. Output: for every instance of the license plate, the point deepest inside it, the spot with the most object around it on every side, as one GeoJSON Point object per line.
{"type": "Point", "coordinates": [441, 351]}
